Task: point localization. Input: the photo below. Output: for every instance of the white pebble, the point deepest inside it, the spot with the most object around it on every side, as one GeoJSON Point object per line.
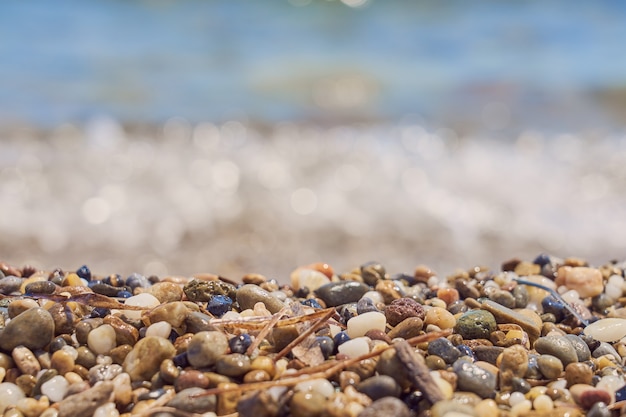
{"type": "Point", "coordinates": [520, 408]}
{"type": "Point", "coordinates": [607, 330]}
{"type": "Point", "coordinates": [308, 278]}
{"type": "Point", "coordinates": [571, 296]}
{"type": "Point", "coordinates": [231, 315]}
{"type": "Point", "coordinates": [610, 383]}
{"type": "Point", "coordinates": [543, 403]}
{"type": "Point", "coordinates": [361, 324]}
{"type": "Point", "coordinates": [516, 398]}
{"type": "Point", "coordinates": [101, 339]}
{"type": "Point", "coordinates": [159, 329]}
{"type": "Point", "coordinates": [140, 300]}
{"type": "Point", "coordinates": [71, 350]}
{"type": "Point", "coordinates": [55, 388]}
{"type": "Point", "coordinates": [320, 385]}
{"type": "Point", "coordinates": [106, 410]}
{"type": "Point", "coordinates": [355, 347]}
{"type": "Point", "coordinates": [375, 296]}
{"type": "Point", "coordinates": [10, 394]}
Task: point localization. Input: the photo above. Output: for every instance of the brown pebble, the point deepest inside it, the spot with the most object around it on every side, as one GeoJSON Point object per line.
{"type": "Point", "coordinates": [119, 353]}
{"type": "Point", "coordinates": [513, 363]}
{"type": "Point", "coordinates": [448, 295]}
{"type": "Point", "coordinates": [9, 270]}
{"type": "Point", "coordinates": [256, 375]}
{"type": "Point", "coordinates": [402, 309]}
{"type": "Point", "coordinates": [348, 378]}
{"type": "Point", "coordinates": [125, 334]}
{"type": "Point", "coordinates": [227, 401]}
{"type": "Point", "coordinates": [389, 290]}
{"type": "Point", "coordinates": [376, 334]}
{"type": "Point", "coordinates": [264, 363]}
{"type": "Point", "coordinates": [256, 279]}
{"type": "Point", "coordinates": [19, 306]}
{"type": "Point", "coordinates": [174, 313]}
{"type": "Point", "coordinates": [422, 273]}
{"type": "Point", "coordinates": [26, 383]}
{"type": "Point", "coordinates": [191, 378]}
{"type": "Point", "coordinates": [169, 371]}
{"type": "Point", "coordinates": [578, 373]}
{"type": "Point", "coordinates": [407, 328]}
{"type": "Point", "coordinates": [86, 402]}
{"type": "Point", "coordinates": [167, 292]}
{"type": "Point", "coordinates": [62, 361]}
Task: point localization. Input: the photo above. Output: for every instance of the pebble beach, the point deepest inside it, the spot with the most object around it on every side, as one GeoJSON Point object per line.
{"type": "Point", "coordinates": [539, 337]}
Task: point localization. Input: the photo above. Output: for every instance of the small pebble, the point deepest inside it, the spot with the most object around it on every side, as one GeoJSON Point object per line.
{"type": "Point", "coordinates": [249, 294]}
{"type": "Point", "coordinates": [403, 308]}
{"type": "Point", "coordinates": [379, 386]}
{"type": "Point", "coordinates": [337, 293]}
{"type": "Point", "coordinates": [474, 379]}
{"type": "Point", "coordinates": [355, 347]}
{"type": "Point", "coordinates": [558, 346]}
{"type": "Point", "coordinates": [387, 406]}
{"type": "Point", "coordinates": [206, 347]}
{"type": "Point", "coordinates": [550, 366]}
{"type": "Point", "coordinates": [586, 281]}
{"type": "Point", "coordinates": [102, 339]}
{"type": "Point", "coordinates": [55, 388]}
{"type": "Point", "coordinates": [444, 349]}
{"type": "Point", "coordinates": [475, 324]}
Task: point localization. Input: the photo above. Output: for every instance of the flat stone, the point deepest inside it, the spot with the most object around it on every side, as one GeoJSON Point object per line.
{"type": "Point", "coordinates": [84, 404]}
{"type": "Point", "coordinates": [146, 357]}
{"type": "Point", "coordinates": [197, 322]}
{"type": "Point", "coordinates": [407, 328]}
{"type": "Point", "coordinates": [33, 329]}
{"type": "Point", "coordinates": [249, 294]}
{"type": "Point", "coordinates": [506, 315]}
{"type": "Point", "coordinates": [338, 293]}
{"type": "Point", "coordinates": [443, 348]}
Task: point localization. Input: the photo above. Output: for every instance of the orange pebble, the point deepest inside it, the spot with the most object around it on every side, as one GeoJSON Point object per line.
{"type": "Point", "coordinates": [322, 267]}
{"type": "Point", "coordinates": [448, 295]}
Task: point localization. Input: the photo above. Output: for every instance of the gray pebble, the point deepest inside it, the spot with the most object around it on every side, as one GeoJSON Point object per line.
{"type": "Point", "coordinates": [40, 287]}
{"type": "Point", "coordinates": [504, 298]}
{"type": "Point", "coordinates": [337, 293]}
{"type": "Point", "coordinates": [520, 293]}
{"type": "Point", "coordinates": [249, 294]}
{"type": "Point", "coordinates": [386, 407]}
{"type": "Point", "coordinates": [84, 404]}
{"type": "Point", "coordinates": [186, 400]}
{"type": "Point", "coordinates": [233, 364]}
{"type": "Point", "coordinates": [606, 349]}
{"type": "Point", "coordinates": [365, 305]}
{"type": "Point", "coordinates": [197, 322]}
{"type": "Point", "coordinates": [379, 386]}
{"type": "Point", "coordinates": [599, 409]}
{"type": "Point", "coordinates": [474, 379]}
{"type": "Point", "coordinates": [10, 284]}
{"type": "Point", "coordinates": [443, 348]}
{"type": "Point", "coordinates": [520, 385]}
{"type": "Point", "coordinates": [558, 346]}
{"type": "Point", "coordinates": [582, 350]}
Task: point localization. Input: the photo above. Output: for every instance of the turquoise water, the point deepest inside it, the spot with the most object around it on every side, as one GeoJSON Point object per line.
{"type": "Point", "coordinates": [147, 61]}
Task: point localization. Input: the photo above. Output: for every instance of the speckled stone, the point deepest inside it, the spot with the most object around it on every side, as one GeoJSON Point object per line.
{"type": "Point", "coordinates": [379, 386]}
{"type": "Point", "coordinates": [40, 287]}
{"type": "Point", "coordinates": [33, 329]}
{"type": "Point", "coordinates": [386, 407]}
{"type": "Point", "coordinates": [407, 328]}
{"type": "Point", "coordinates": [146, 357]}
{"type": "Point", "coordinates": [475, 324]}
{"type": "Point", "coordinates": [403, 308]}
{"type": "Point", "coordinates": [558, 346]}
{"type": "Point", "coordinates": [186, 400]}
{"type": "Point", "coordinates": [513, 364]}
{"type": "Point", "coordinates": [337, 293]}
{"type": "Point", "coordinates": [203, 291]}
{"type": "Point", "coordinates": [85, 403]}
{"type": "Point", "coordinates": [474, 379]}
{"type": "Point", "coordinates": [249, 294]}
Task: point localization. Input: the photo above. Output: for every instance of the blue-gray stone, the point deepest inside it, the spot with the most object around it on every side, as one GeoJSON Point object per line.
{"type": "Point", "coordinates": [379, 386]}
{"type": "Point", "coordinates": [443, 348]}
{"type": "Point", "coordinates": [365, 305]}
{"type": "Point", "coordinates": [604, 349]}
{"type": "Point", "coordinates": [474, 379]}
{"type": "Point", "coordinates": [558, 346]}
{"type": "Point", "coordinates": [10, 284]}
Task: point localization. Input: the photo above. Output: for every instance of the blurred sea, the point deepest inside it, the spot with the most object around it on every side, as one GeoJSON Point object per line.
{"type": "Point", "coordinates": [231, 136]}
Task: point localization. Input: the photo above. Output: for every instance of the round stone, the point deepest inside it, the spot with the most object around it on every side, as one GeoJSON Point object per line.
{"type": "Point", "coordinates": [249, 294]}
{"type": "Point", "coordinates": [190, 379]}
{"type": "Point", "coordinates": [146, 357]}
{"type": "Point", "coordinates": [475, 324]}
{"type": "Point", "coordinates": [550, 366]}
{"type": "Point", "coordinates": [34, 329]}
{"type": "Point", "coordinates": [444, 349]}
{"type": "Point", "coordinates": [578, 373]}
{"type": "Point", "coordinates": [205, 348]}
{"type": "Point", "coordinates": [233, 364]}
{"type": "Point", "coordinates": [307, 404]}
{"type": "Point", "coordinates": [359, 325]}
{"type": "Point", "coordinates": [102, 339]}
{"type": "Point", "coordinates": [167, 292]}
{"type": "Point", "coordinates": [379, 386]}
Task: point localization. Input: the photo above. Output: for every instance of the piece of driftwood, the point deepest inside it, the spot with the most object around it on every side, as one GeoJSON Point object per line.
{"type": "Point", "coordinates": [418, 372]}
